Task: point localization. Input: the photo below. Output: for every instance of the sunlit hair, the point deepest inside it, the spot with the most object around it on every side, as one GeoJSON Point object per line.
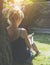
{"type": "Point", "coordinates": [15, 14]}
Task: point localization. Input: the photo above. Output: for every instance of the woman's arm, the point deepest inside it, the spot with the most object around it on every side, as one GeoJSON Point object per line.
{"type": "Point", "coordinates": [25, 36]}
{"type": "Point", "coordinates": [30, 37]}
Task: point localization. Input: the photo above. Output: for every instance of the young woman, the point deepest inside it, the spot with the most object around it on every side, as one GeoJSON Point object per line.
{"type": "Point", "coordinates": [19, 38]}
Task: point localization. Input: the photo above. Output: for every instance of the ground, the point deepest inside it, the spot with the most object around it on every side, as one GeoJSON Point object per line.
{"type": "Point", "coordinates": [43, 43]}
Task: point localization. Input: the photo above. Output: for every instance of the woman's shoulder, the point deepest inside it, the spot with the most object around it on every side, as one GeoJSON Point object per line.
{"type": "Point", "coordinates": [22, 29]}
{"type": "Point", "coordinates": [23, 32]}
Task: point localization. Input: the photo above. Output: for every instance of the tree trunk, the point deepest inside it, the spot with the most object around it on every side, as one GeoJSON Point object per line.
{"type": "Point", "coordinates": [5, 51]}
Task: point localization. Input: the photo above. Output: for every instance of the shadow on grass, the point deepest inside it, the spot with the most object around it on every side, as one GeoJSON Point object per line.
{"type": "Point", "coordinates": [42, 38]}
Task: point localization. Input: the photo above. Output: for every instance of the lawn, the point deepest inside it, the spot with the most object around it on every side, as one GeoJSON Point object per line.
{"type": "Point", "coordinates": [43, 43]}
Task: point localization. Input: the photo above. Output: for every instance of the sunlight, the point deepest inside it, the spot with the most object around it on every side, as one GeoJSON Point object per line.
{"type": "Point", "coordinates": [8, 4]}
{"type": "Point", "coordinates": [18, 2]}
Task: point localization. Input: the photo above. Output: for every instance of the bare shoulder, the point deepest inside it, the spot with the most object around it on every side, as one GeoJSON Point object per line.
{"type": "Point", "coordinates": [23, 32]}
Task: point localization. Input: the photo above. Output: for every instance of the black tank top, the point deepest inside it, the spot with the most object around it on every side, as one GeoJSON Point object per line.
{"type": "Point", "coordinates": [19, 50]}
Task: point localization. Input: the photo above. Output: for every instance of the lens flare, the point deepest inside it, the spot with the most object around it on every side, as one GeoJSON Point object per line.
{"type": "Point", "coordinates": [18, 1]}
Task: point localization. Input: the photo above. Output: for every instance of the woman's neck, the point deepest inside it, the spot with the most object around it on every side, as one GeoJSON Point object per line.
{"type": "Point", "coordinates": [12, 27]}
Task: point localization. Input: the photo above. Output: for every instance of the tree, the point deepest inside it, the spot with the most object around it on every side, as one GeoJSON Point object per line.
{"type": "Point", "coordinates": [5, 51]}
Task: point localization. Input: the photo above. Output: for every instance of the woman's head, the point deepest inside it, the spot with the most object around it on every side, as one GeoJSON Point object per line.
{"type": "Point", "coordinates": [15, 16]}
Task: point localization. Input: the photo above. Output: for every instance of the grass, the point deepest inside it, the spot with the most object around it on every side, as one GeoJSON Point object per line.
{"type": "Point", "coordinates": [43, 44]}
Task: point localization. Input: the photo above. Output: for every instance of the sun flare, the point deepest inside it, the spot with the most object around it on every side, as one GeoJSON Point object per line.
{"type": "Point", "coordinates": [18, 1]}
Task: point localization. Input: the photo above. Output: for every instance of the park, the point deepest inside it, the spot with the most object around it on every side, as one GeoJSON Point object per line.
{"type": "Point", "coordinates": [36, 20]}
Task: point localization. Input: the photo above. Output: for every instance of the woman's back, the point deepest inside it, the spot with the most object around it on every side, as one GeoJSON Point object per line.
{"type": "Point", "coordinates": [19, 50]}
